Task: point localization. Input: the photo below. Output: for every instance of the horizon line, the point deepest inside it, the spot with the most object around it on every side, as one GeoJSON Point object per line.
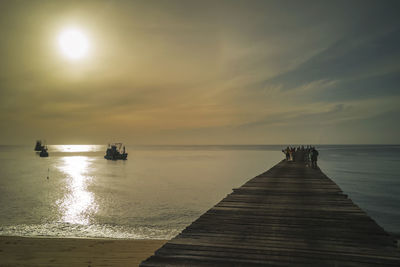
{"type": "Point", "coordinates": [283, 144]}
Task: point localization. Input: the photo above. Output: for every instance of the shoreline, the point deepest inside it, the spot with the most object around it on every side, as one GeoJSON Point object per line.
{"type": "Point", "coordinates": [55, 251]}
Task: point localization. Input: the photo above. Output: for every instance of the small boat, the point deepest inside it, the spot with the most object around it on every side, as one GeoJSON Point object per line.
{"type": "Point", "coordinates": [39, 145]}
{"type": "Point", "coordinates": [115, 152]}
{"type": "Point", "coordinates": [44, 153]}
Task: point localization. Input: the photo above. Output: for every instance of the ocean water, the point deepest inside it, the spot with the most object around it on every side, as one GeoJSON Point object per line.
{"type": "Point", "coordinates": [370, 175]}
{"type": "Point", "coordinates": [159, 190]}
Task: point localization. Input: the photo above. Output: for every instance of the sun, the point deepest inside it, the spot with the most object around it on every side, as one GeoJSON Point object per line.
{"type": "Point", "coordinates": [73, 44]}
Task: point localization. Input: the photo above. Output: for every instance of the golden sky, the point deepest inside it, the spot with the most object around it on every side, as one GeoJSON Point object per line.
{"type": "Point", "coordinates": [201, 72]}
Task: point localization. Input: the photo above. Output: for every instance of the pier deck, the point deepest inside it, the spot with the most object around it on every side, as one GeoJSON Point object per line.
{"type": "Point", "coordinates": [289, 215]}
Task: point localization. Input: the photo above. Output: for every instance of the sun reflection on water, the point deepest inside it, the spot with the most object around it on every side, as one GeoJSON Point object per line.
{"type": "Point", "coordinates": [78, 203]}
{"type": "Point", "coordinates": [77, 148]}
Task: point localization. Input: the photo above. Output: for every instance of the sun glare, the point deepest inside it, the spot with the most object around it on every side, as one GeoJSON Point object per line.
{"type": "Point", "coordinates": [73, 44]}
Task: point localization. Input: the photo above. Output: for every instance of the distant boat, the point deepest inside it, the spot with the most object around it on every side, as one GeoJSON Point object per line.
{"type": "Point", "coordinates": [43, 152]}
{"type": "Point", "coordinates": [39, 145]}
{"type": "Point", "coordinates": [115, 152]}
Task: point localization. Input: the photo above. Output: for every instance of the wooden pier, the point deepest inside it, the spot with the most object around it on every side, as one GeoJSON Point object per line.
{"type": "Point", "coordinates": [289, 215]}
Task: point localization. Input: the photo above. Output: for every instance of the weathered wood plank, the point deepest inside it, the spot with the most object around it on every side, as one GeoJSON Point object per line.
{"type": "Point", "coordinates": [288, 215]}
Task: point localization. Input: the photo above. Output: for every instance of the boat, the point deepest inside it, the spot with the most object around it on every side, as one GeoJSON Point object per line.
{"type": "Point", "coordinates": [39, 145]}
{"type": "Point", "coordinates": [114, 152]}
{"type": "Point", "coordinates": [43, 153]}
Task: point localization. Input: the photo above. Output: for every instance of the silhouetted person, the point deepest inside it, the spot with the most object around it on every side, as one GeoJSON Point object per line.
{"type": "Point", "coordinates": [293, 154]}
{"type": "Point", "coordinates": [300, 153]}
{"type": "Point", "coordinates": [287, 154]}
{"type": "Point", "coordinates": [314, 158]}
{"type": "Point", "coordinates": [307, 156]}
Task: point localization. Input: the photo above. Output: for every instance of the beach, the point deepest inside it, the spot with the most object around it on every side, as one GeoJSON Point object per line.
{"type": "Point", "coordinates": [23, 251]}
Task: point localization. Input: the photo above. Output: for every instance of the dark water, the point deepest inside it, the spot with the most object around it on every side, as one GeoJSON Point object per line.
{"type": "Point", "coordinates": [161, 189]}
{"type": "Point", "coordinates": [370, 175]}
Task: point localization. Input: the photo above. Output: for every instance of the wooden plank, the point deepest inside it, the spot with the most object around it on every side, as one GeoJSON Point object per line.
{"type": "Point", "coordinates": [258, 252]}
{"type": "Point", "coordinates": [289, 215]}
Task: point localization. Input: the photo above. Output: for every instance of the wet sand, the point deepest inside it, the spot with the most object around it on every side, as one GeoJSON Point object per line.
{"type": "Point", "coordinates": [21, 251]}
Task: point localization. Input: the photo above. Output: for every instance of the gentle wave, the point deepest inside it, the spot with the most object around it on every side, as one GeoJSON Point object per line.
{"type": "Point", "coordinates": [92, 231]}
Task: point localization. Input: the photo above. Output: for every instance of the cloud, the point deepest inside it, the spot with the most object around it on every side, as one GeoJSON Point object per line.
{"type": "Point", "coordinates": [203, 72]}
{"type": "Point", "coordinates": [347, 59]}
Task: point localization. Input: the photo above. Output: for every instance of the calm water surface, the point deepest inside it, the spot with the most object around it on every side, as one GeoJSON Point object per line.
{"type": "Point", "coordinates": [160, 190]}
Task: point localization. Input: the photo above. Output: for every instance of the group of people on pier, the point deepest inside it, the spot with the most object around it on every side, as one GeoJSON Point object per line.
{"type": "Point", "coordinates": [308, 155]}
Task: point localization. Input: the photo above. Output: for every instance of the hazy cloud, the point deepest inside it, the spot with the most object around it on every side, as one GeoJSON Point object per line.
{"type": "Point", "coordinates": [202, 72]}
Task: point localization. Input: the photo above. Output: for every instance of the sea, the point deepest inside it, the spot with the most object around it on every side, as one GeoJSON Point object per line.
{"type": "Point", "coordinates": [160, 190]}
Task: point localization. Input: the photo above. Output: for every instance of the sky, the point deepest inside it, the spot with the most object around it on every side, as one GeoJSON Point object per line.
{"type": "Point", "coordinates": [201, 72]}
